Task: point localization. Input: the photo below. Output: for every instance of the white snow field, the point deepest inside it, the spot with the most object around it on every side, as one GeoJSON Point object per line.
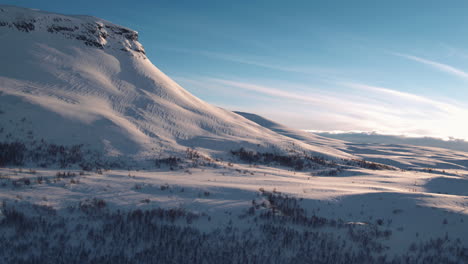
{"type": "Point", "coordinates": [105, 159]}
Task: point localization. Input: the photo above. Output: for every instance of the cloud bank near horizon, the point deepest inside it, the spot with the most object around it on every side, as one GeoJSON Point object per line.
{"type": "Point", "coordinates": [376, 138]}
{"type": "Point", "coordinates": [348, 106]}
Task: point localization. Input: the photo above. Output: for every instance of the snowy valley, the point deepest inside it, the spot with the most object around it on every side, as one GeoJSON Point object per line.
{"type": "Point", "coordinates": [105, 159]}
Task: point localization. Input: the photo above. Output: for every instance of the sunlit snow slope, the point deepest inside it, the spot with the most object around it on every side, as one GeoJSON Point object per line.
{"type": "Point", "coordinates": [83, 80]}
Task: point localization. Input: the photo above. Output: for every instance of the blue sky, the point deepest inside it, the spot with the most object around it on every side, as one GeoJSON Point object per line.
{"type": "Point", "coordinates": [397, 67]}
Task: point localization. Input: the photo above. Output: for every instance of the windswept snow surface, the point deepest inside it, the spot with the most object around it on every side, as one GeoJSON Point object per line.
{"type": "Point", "coordinates": [287, 197]}
{"type": "Point", "coordinates": [83, 80]}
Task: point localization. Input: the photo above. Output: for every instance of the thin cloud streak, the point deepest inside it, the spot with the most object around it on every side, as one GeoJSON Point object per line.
{"type": "Point", "coordinates": [336, 101]}
{"type": "Point", "coordinates": [443, 106]}
{"type": "Point", "coordinates": [381, 90]}
{"type": "Point", "coordinates": [362, 107]}
{"type": "Point", "coordinates": [319, 100]}
{"type": "Point", "coordinates": [437, 65]}
{"type": "Point", "coordinates": [254, 62]}
{"type": "Point", "coordinates": [265, 90]}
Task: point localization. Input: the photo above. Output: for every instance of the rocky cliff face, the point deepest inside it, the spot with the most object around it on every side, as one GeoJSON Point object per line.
{"type": "Point", "coordinates": [91, 31]}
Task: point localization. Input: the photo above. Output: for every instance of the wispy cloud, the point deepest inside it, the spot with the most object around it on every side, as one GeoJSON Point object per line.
{"type": "Point", "coordinates": [437, 65]}
{"type": "Point", "coordinates": [256, 62]}
{"type": "Point", "coordinates": [361, 107]}
{"type": "Point", "coordinates": [266, 90]}
{"type": "Point", "coordinates": [398, 95]}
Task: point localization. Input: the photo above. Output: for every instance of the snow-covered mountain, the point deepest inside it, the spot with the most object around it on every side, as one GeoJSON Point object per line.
{"type": "Point", "coordinates": [83, 80]}
{"type": "Point", "coordinates": [79, 86]}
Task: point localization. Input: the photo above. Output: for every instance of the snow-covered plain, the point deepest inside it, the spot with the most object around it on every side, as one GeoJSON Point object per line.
{"type": "Point", "coordinates": [415, 208]}
{"type": "Point", "coordinates": [229, 187]}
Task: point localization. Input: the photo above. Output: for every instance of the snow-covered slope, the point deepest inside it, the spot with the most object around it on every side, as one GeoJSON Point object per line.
{"type": "Point", "coordinates": [309, 138]}
{"type": "Point", "coordinates": [83, 80]}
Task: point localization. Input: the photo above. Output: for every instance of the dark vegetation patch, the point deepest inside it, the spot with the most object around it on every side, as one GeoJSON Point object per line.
{"type": "Point", "coordinates": [44, 154]}
{"type": "Point", "coordinates": [172, 162]}
{"type": "Point", "coordinates": [367, 164]}
{"type": "Point", "coordinates": [31, 180]}
{"type": "Point", "coordinates": [329, 172]}
{"type": "Point", "coordinates": [286, 209]}
{"type": "Point", "coordinates": [303, 161]}
{"type": "Point", "coordinates": [91, 233]}
{"type": "Point", "coordinates": [12, 153]}
{"type": "Point", "coordinates": [191, 159]}
{"type": "Point", "coordinates": [297, 162]}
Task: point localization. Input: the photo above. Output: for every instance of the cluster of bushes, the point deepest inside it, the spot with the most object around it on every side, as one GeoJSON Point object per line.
{"type": "Point", "coordinates": [44, 154]}
{"type": "Point", "coordinates": [64, 175]}
{"type": "Point", "coordinates": [367, 164]}
{"type": "Point", "coordinates": [368, 236]}
{"type": "Point", "coordinates": [197, 159]}
{"type": "Point", "coordinates": [92, 205]}
{"type": "Point", "coordinates": [304, 161]}
{"type": "Point", "coordinates": [283, 209]}
{"type": "Point", "coordinates": [192, 158]}
{"type": "Point", "coordinates": [47, 154]}
{"type": "Point", "coordinates": [331, 172]}
{"type": "Point", "coordinates": [432, 170]}
{"type": "Point", "coordinates": [21, 182]}
{"type": "Point", "coordinates": [287, 209]}
{"type": "Point", "coordinates": [16, 153]}
{"type": "Point", "coordinates": [96, 207]}
{"type": "Point", "coordinates": [44, 235]}
{"type": "Point", "coordinates": [5, 180]}
{"type": "Point", "coordinates": [172, 162]}
{"type": "Point", "coordinates": [192, 154]}
{"type": "Point", "coordinates": [297, 162]}
{"type": "Point", "coordinates": [12, 153]}
{"type": "Point", "coordinates": [27, 181]}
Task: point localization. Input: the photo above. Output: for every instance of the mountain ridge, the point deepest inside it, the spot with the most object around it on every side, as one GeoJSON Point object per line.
{"type": "Point", "coordinates": [93, 84]}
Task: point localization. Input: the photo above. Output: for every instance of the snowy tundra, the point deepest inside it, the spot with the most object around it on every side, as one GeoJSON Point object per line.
{"type": "Point", "coordinates": [105, 159]}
